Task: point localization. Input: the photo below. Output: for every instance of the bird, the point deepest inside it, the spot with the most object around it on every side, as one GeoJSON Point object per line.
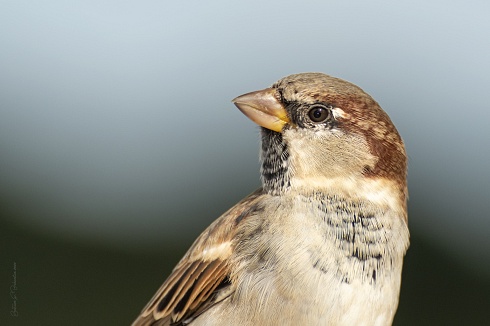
{"type": "Point", "coordinates": [322, 241]}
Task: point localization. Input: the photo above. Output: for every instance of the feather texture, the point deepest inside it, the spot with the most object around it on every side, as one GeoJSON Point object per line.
{"type": "Point", "coordinates": [201, 279]}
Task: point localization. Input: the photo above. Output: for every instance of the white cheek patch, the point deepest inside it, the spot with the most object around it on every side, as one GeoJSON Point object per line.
{"type": "Point", "coordinates": [339, 113]}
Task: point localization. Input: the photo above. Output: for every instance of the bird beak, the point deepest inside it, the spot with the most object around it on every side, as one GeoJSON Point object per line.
{"type": "Point", "coordinates": [263, 108]}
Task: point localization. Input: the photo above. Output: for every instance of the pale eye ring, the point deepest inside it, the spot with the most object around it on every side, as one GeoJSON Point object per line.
{"type": "Point", "coordinates": [319, 113]}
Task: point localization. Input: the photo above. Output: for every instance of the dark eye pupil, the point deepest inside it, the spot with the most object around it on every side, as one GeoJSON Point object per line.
{"type": "Point", "coordinates": [318, 114]}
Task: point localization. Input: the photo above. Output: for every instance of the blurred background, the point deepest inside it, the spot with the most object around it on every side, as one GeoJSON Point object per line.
{"type": "Point", "coordinates": [119, 143]}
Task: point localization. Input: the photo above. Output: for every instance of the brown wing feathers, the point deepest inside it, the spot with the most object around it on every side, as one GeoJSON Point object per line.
{"type": "Point", "coordinates": [199, 280]}
{"type": "Point", "coordinates": [199, 292]}
{"type": "Point", "coordinates": [188, 289]}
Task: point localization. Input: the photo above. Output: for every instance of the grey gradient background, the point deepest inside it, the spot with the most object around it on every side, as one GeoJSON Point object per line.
{"type": "Point", "coordinates": [119, 143]}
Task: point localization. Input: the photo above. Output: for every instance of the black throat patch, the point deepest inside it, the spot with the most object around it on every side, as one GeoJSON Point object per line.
{"type": "Point", "coordinates": [275, 162]}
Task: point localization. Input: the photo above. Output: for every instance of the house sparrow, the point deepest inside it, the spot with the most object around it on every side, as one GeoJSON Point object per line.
{"type": "Point", "coordinates": [322, 242]}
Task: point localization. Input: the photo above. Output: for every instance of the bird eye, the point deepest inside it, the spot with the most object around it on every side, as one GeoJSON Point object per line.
{"type": "Point", "coordinates": [319, 113]}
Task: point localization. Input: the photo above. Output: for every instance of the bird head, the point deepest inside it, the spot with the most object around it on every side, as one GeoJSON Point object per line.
{"type": "Point", "coordinates": [321, 133]}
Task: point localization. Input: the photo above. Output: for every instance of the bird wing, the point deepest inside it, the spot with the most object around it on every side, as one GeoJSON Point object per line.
{"type": "Point", "coordinates": [201, 279]}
